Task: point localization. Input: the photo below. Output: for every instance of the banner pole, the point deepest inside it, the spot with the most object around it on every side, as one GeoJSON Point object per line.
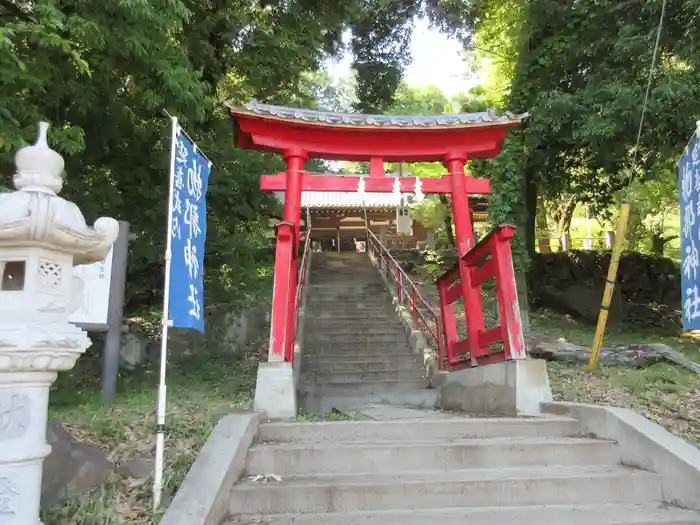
{"type": "Point", "coordinates": [160, 426]}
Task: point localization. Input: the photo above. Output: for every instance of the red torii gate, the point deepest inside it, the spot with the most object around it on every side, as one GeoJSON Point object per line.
{"type": "Point", "coordinates": [299, 134]}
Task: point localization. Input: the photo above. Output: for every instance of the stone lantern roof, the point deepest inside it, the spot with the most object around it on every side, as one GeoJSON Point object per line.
{"type": "Point", "coordinates": [35, 216]}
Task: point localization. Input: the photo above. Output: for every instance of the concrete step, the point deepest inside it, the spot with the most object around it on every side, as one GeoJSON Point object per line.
{"type": "Point", "coordinates": [358, 376]}
{"type": "Point", "coordinates": [316, 331]}
{"type": "Point", "coordinates": [320, 366]}
{"type": "Point", "coordinates": [434, 429]}
{"type": "Point", "coordinates": [356, 302]}
{"type": "Point", "coordinates": [324, 402]}
{"type": "Point", "coordinates": [345, 267]}
{"type": "Point", "coordinates": [562, 485]}
{"type": "Point", "coordinates": [287, 459]}
{"type": "Point", "coordinates": [356, 292]}
{"type": "Point", "coordinates": [330, 357]}
{"type": "Point", "coordinates": [353, 315]}
{"type": "Point", "coordinates": [356, 349]}
{"type": "Point", "coordinates": [360, 274]}
{"type": "Point", "coordinates": [352, 307]}
{"type": "Point", "coordinates": [360, 336]}
{"type": "Point", "coordinates": [352, 304]}
{"type": "Point", "coordinates": [324, 358]}
{"type": "Point", "coordinates": [368, 324]}
{"type": "Point", "coordinates": [341, 263]}
{"type": "Point", "coordinates": [363, 387]}
{"type": "Point", "coordinates": [350, 317]}
{"type": "Point", "coordinates": [374, 285]}
{"type": "Point", "coordinates": [611, 514]}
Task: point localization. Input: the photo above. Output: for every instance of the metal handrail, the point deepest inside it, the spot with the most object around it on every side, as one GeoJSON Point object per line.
{"type": "Point", "coordinates": [406, 288]}
{"type": "Point", "coordinates": [301, 281]}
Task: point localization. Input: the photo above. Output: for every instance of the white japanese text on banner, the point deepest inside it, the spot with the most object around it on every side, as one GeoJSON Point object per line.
{"type": "Point", "coordinates": [189, 231]}
{"type": "Point", "coordinates": [689, 201]}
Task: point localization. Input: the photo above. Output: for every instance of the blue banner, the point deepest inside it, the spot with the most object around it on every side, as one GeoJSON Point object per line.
{"type": "Point", "coordinates": [689, 201]}
{"type": "Point", "coordinates": [189, 231]}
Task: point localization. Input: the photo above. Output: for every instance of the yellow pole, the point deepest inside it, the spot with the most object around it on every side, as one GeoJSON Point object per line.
{"type": "Point", "coordinates": [609, 285]}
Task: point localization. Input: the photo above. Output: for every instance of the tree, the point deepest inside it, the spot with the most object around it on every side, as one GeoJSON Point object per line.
{"type": "Point", "coordinates": [411, 100]}
{"type": "Point", "coordinates": [655, 208]}
{"type": "Point", "coordinates": [102, 71]}
{"type": "Point", "coordinates": [381, 32]}
{"type": "Point", "coordinates": [562, 211]}
{"type": "Point", "coordinates": [581, 72]}
{"type": "Point", "coordinates": [428, 100]}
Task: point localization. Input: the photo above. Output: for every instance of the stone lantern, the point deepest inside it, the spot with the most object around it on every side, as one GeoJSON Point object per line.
{"type": "Point", "coordinates": [42, 236]}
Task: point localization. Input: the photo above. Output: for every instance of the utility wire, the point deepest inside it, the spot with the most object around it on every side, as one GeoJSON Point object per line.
{"type": "Point", "coordinates": [624, 216]}
{"type": "Point", "coordinates": [646, 100]}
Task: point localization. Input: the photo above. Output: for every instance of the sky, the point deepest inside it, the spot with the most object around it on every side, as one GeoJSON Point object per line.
{"type": "Point", "coordinates": [436, 61]}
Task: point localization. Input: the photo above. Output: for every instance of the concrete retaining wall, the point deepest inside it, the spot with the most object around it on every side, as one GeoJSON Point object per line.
{"type": "Point", "coordinates": [203, 497]}
{"type": "Point", "coordinates": [644, 445]}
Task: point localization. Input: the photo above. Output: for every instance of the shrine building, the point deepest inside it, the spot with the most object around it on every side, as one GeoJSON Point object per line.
{"type": "Point", "coordinates": [338, 219]}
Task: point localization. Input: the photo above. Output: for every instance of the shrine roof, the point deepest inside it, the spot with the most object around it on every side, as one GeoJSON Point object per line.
{"type": "Point", "coordinates": [359, 120]}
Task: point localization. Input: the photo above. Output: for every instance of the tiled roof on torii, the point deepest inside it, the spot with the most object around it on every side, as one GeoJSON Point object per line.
{"type": "Point", "coordinates": [354, 120]}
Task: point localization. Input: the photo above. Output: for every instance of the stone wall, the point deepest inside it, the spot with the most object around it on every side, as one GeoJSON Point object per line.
{"type": "Point", "coordinates": [224, 331]}
{"type": "Point", "coordinates": [647, 292]}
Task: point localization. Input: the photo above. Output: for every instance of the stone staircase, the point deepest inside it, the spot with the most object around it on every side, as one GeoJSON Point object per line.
{"type": "Point", "coordinates": [449, 470]}
{"type": "Point", "coordinates": [405, 466]}
{"type": "Point", "coordinates": [356, 349]}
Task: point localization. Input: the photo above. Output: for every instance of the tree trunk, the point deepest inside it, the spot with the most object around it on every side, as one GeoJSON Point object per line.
{"type": "Point", "coordinates": [448, 221]}
{"type": "Point", "coordinates": [658, 243]}
{"type": "Point", "coordinates": [530, 191]}
{"type": "Point", "coordinates": [530, 237]}
{"type": "Point", "coordinates": [541, 225]}
{"type": "Point", "coordinates": [563, 215]}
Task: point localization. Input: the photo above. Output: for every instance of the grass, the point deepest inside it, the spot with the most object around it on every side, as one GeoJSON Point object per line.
{"type": "Point", "coordinates": [666, 393]}
{"type": "Point", "coordinates": [201, 389]}
{"type": "Point", "coordinates": [331, 416]}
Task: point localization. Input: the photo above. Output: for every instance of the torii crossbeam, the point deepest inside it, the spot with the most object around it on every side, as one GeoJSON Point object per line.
{"type": "Point", "coordinates": [300, 134]}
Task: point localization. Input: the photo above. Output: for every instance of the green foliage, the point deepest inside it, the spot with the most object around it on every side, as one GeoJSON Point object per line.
{"type": "Point", "coordinates": [382, 31]}
{"type": "Point", "coordinates": [580, 68]}
{"type": "Point", "coordinates": [433, 213]}
{"type": "Point", "coordinates": [429, 100]}
{"type": "Point", "coordinates": [430, 213]}
{"type": "Point", "coordinates": [654, 219]}
{"type": "Point", "coordinates": [506, 205]}
{"type": "Point", "coordinates": [102, 71]}
{"type": "Point", "coordinates": [496, 46]}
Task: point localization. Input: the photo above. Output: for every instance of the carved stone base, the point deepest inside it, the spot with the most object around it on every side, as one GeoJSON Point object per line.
{"type": "Point", "coordinates": [23, 409]}
{"type": "Point", "coordinates": [37, 347]}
